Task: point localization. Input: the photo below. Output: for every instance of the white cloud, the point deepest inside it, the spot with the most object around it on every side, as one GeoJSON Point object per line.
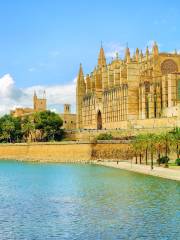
{"type": "Point", "coordinates": [113, 48]}
{"type": "Point", "coordinates": [75, 80]}
{"type": "Point", "coordinates": [150, 45]}
{"type": "Point", "coordinates": [11, 96]}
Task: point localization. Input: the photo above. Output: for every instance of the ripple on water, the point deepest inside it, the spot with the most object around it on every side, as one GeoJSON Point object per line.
{"type": "Point", "coordinates": [85, 202]}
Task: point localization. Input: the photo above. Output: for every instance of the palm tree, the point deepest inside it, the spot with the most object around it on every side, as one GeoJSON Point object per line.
{"type": "Point", "coordinates": [176, 139]}
{"type": "Point", "coordinates": [140, 146]}
{"type": "Point", "coordinates": [167, 141]}
{"type": "Point", "coordinates": [151, 146]}
{"type": "Point", "coordinates": [135, 147]}
{"type": "Point", "coordinates": [159, 145]}
{"type": "Point", "coordinates": [139, 140]}
{"type": "Point", "coordinates": [144, 144]}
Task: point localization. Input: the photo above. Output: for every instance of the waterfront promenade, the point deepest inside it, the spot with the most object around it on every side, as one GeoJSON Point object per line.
{"type": "Point", "coordinates": [157, 171]}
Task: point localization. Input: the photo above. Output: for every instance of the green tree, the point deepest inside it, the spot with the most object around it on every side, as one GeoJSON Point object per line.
{"type": "Point", "coordinates": [49, 124]}
{"type": "Point", "coordinates": [28, 128]}
{"type": "Point", "coordinates": [151, 146]}
{"type": "Point", "coordinates": [176, 140]}
{"type": "Point", "coordinates": [7, 128]}
{"type": "Point", "coordinates": [167, 142]}
{"type": "Point", "coordinates": [138, 147]}
{"type": "Point", "coordinates": [144, 143]}
{"type": "Point", "coordinates": [159, 145]}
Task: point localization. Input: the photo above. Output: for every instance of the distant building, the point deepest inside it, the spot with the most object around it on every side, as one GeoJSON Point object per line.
{"type": "Point", "coordinates": [69, 119]}
{"type": "Point", "coordinates": [39, 104]}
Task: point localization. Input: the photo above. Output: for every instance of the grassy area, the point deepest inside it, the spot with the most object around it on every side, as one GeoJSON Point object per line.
{"type": "Point", "coordinates": [173, 165]}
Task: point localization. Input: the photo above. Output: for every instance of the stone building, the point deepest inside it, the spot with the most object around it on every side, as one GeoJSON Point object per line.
{"type": "Point", "coordinates": [139, 87]}
{"type": "Point", "coordinates": [39, 104]}
{"type": "Point", "coordinates": [69, 119]}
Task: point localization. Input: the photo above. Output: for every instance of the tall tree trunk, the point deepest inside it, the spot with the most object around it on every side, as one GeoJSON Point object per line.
{"type": "Point", "coordinates": [146, 156]}
{"type": "Point", "coordinates": [159, 156]}
{"type": "Point", "coordinates": [166, 149]}
{"type": "Point", "coordinates": [136, 159]}
{"type": "Point", "coordinates": [140, 158]}
{"type": "Point", "coordinates": [177, 150]}
{"type": "Point", "coordinates": [152, 163]}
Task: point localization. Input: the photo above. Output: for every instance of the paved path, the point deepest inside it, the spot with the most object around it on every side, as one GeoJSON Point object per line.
{"type": "Point", "coordinates": [157, 171]}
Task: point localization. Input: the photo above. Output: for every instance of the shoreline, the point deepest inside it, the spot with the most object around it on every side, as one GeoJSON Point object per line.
{"type": "Point", "coordinates": [161, 172]}
{"type": "Point", "coordinates": [166, 173]}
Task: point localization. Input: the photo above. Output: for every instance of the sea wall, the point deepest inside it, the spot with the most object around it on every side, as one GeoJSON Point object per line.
{"type": "Point", "coordinates": [47, 152]}
{"type": "Point", "coordinates": [112, 150]}
{"type": "Point", "coordinates": [65, 151]}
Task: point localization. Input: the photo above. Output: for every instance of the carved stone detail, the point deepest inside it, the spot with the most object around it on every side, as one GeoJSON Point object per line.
{"type": "Point", "coordinates": [168, 66]}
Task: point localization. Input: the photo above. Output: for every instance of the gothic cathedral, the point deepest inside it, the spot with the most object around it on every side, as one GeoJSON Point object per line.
{"type": "Point", "coordinates": [144, 86]}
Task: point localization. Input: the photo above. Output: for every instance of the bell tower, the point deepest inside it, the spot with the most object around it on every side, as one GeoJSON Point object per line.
{"type": "Point", "coordinates": [40, 103]}
{"type": "Point", "coordinates": [67, 108]}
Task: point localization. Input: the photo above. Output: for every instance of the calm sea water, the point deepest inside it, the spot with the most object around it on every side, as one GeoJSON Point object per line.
{"type": "Point", "coordinates": [66, 201]}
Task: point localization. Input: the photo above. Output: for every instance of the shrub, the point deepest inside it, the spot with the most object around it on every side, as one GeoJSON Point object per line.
{"type": "Point", "coordinates": [104, 136]}
{"type": "Point", "coordinates": [177, 161]}
{"type": "Point", "coordinates": [163, 160]}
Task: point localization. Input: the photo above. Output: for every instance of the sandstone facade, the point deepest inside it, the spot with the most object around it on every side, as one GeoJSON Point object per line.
{"type": "Point", "coordinates": [125, 91]}
{"type": "Point", "coordinates": [69, 119]}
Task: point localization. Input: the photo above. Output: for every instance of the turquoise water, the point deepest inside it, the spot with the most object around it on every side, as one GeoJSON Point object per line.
{"type": "Point", "coordinates": [58, 201]}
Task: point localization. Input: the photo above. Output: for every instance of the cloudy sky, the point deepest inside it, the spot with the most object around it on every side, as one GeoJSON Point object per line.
{"type": "Point", "coordinates": [43, 42]}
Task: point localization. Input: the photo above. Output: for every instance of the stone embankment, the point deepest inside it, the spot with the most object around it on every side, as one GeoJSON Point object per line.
{"type": "Point", "coordinates": [65, 151]}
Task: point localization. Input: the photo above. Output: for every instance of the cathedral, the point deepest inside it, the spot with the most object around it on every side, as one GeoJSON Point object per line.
{"type": "Point", "coordinates": [139, 87]}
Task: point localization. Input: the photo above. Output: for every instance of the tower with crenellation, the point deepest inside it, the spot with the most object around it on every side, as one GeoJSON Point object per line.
{"type": "Point", "coordinates": [40, 104]}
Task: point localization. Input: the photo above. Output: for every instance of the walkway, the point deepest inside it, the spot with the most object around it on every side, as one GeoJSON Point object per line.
{"type": "Point", "coordinates": [157, 171]}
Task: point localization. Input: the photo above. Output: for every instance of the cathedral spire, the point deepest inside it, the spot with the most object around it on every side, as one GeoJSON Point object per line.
{"type": "Point", "coordinates": [155, 49]}
{"type": "Point", "coordinates": [80, 91]}
{"type": "Point", "coordinates": [127, 54]}
{"type": "Point", "coordinates": [80, 74]}
{"type": "Point", "coordinates": [137, 54]}
{"type": "Point", "coordinates": [141, 56]}
{"type": "Point", "coordinates": [80, 78]}
{"type": "Point", "coordinates": [101, 58]}
{"type": "Point", "coordinates": [147, 53]}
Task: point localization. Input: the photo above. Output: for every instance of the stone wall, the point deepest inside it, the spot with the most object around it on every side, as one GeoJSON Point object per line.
{"type": "Point", "coordinates": [65, 151]}
{"type": "Point", "coordinates": [128, 128]}
{"type": "Point", "coordinates": [112, 150]}
{"type": "Point", "coordinates": [47, 152]}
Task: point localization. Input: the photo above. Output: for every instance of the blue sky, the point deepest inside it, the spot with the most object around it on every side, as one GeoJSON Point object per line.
{"type": "Point", "coordinates": [42, 42]}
